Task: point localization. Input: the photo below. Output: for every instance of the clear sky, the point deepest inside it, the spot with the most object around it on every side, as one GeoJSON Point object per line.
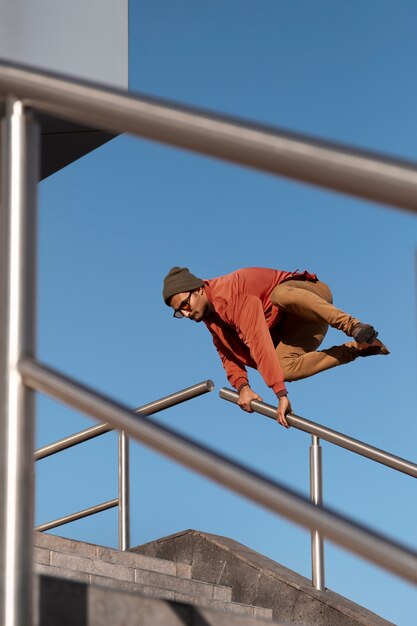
{"type": "Point", "coordinates": [112, 225]}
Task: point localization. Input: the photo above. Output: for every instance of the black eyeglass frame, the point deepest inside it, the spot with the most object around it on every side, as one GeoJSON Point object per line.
{"type": "Point", "coordinates": [185, 306]}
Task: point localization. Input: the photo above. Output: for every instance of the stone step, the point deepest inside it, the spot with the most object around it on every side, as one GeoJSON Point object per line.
{"type": "Point", "coordinates": [45, 544]}
{"type": "Point", "coordinates": [132, 572]}
{"type": "Point", "coordinates": [257, 580]}
{"type": "Point", "coordinates": [152, 591]}
{"type": "Point", "coordinates": [115, 571]}
{"type": "Point", "coordinates": [66, 602]}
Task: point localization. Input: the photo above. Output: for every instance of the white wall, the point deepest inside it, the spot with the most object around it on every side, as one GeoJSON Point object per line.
{"type": "Point", "coordinates": [86, 39]}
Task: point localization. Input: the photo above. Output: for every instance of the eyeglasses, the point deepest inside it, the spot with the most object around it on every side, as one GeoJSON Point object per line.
{"type": "Point", "coordinates": [184, 306]}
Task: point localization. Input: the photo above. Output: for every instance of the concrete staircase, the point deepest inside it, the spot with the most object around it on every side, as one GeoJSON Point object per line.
{"type": "Point", "coordinates": [257, 580]}
{"type": "Point", "coordinates": [191, 578]}
{"type": "Point", "coordinates": [88, 585]}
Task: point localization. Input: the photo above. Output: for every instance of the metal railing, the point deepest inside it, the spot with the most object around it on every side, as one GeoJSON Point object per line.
{"type": "Point", "coordinates": [123, 499]}
{"type": "Point", "coordinates": [318, 431]}
{"type": "Point", "coordinates": [336, 167]}
{"type": "Point", "coordinates": [270, 494]}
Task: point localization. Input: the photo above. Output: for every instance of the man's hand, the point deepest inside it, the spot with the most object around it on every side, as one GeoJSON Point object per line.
{"type": "Point", "coordinates": [284, 407]}
{"type": "Point", "coordinates": [246, 395]}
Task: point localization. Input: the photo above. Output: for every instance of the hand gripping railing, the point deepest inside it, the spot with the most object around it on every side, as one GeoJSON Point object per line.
{"type": "Point", "coordinates": [123, 499]}
{"type": "Point", "coordinates": [270, 494]}
{"type": "Point", "coordinates": [336, 167]}
{"type": "Point", "coordinates": [316, 482]}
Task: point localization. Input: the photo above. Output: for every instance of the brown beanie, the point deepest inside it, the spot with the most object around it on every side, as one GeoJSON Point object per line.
{"type": "Point", "coordinates": [177, 280]}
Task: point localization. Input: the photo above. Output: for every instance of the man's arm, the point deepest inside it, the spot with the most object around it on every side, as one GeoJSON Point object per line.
{"type": "Point", "coordinates": [235, 372]}
{"type": "Point", "coordinates": [247, 316]}
{"type": "Point", "coordinates": [237, 376]}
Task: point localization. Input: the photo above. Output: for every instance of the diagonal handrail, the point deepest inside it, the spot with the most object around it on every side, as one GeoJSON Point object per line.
{"type": "Point", "coordinates": [318, 431]}
{"type": "Point", "coordinates": [146, 409]}
{"type": "Point", "coordinates": [329, 165]}
{"type": "Point", "coordinates": [335, 166]}
{"type": "Point", "coordinates": [178, 397]}
{"type": "Point", "coordinates": [67, 519]}
{"type": "Point", "coordinates": [333, 436]}
{"type": "Point", "coordinates": [273, 495]}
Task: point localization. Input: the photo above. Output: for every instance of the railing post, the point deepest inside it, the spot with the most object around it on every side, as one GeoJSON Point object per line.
{"type": "Point", "coordinates": [316, 496]}
{"type": "Point", "coordinates": [18, 178]}
{"type": "Point", "coordinates": [124, 491]}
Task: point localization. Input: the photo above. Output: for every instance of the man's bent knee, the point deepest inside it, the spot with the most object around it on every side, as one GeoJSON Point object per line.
{"type": "Point", "coordinates": [290, 367]}
{"type": "Point", "coordinates": [282, 295]}
{"type": "Point", "coordinates": [297, 291]}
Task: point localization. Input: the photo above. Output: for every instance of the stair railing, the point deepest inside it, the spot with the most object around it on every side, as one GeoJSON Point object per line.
{"type": "Point", "coordinates": [270, 494]}
{"type": "Point", "coordinates": [123, 499]}
{"type": "Point", "coordinates": [25, 91]}
{"type": "Point", "coordinates": [318, 431]}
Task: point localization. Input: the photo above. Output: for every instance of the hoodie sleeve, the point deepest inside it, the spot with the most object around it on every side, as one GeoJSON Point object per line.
{"type": "Point", "coordinates": [245, 314]}
{"type": "Point", "coordinates": [236, 373]}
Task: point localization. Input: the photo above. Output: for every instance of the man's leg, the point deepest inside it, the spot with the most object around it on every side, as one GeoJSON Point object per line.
{"type": "Point", "coordinates": [312, 301]}
{"type": "Point", "coordinates": [309, 312]}
{"type": "Point", "coordinates": [296, 350]}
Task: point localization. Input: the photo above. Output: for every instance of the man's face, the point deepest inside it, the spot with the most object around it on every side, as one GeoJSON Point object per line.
{"type": "Point", "coordinates": [192, 304]}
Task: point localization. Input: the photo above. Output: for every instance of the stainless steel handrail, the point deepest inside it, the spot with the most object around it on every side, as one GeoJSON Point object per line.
{"type": "Point", "coordinates": [326, 164]}
{"type": "Point", "coordinates": [19, 136]}
{"type": "Point", "coordinates": [316, 486]}
{"type": "Point", "coordinates": [336, 167]}
{"type": "Point", "coordinates": [333, 436]}
{"type": "Point", "coordinates": [123, 501]}
{"type": "Point", "coordinates": [146, 409]}
{"type": "Point", "coordinates": [387, 553]}
{"type": "Point", "coordinates": [92, 510]}
{"type": "Point", "coordinates": [123, 476]}
{"type": "Point", "coordinates": [316, 497]}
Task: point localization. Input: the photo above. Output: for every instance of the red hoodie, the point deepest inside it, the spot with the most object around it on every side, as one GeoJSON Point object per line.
{"type": "Point", "coordinates": [242, 318]}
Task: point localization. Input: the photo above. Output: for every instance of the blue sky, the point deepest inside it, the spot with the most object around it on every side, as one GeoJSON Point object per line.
{"type": "Point", "coordinates": [113, 223]}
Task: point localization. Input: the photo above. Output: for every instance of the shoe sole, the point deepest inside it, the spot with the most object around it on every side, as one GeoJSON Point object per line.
{"type": "Point", "coordinates": [376, 345]}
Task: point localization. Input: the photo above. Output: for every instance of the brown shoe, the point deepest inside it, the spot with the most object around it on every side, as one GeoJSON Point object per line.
{"type": "Point", "coordinates": [372, 348]}
{"type": "Point", "coordinates": [364, 333]}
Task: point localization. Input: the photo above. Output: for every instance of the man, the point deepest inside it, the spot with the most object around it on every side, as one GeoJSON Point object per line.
{"type": "Point", "coordinates": [270, 320]}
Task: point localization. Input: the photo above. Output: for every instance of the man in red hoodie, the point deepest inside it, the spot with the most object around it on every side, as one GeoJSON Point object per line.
{"type": "Point", "coordinates": [270, 320]}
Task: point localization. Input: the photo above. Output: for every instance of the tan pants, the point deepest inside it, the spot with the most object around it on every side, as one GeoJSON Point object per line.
{"type": "Point", "coordinates": [308, 313]}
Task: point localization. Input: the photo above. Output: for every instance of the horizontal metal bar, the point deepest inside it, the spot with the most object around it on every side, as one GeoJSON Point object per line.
{"type": "Point", "coordinates": [147, 409]}
{"type": "Point", "coordinates": [175, 398]}
{"type": "Point", "coordinates": [337, 167]}
{"type": "Point", "coordinates": [92, 510]}
{"type": "Point", "coordinates": [71, 440]}
{"type": "Point", "coordinates": [270, 494]}
{"type": "Point", "coordinates": [333, 436]}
